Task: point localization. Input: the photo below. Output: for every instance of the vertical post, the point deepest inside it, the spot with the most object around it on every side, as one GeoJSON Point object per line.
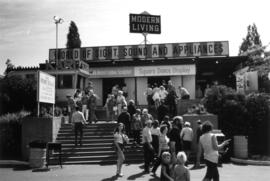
{"type": "Point", "coordinates": [38, 108]}
{"type": "Point", "coordinates": [145, 45]}
{"type": "Point", "coordinates": [56, 47]}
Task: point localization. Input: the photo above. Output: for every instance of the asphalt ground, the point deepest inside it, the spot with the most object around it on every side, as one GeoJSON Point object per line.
{"type": "Point", "coordinates": [229, 172]}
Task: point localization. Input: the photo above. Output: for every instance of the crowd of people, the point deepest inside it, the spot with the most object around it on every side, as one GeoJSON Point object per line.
{"type": "Point", "coordinates": [169, 144]}
{"type": "Point", "coordinates": [166, 141]}
{"type": "Point", "coordinates": [165, 95]}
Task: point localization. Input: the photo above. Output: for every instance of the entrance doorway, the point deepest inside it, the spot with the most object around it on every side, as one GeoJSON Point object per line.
{"type": "Point", "coordinates": [108, 83]}
{"type": "Point", "coordinates": [158, 80]}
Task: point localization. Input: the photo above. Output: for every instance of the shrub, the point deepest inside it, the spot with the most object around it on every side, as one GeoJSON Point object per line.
{"type": "Point", "coordinates": [10, 134]}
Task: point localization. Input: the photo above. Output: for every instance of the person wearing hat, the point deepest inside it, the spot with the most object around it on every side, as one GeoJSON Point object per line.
{"type": "Point", "coordinates": [147, 145]}
{"type": "Point", "coordinates": [187, 137]}
{"type": "Point", "coordinates": [78, 121]}
{"type": "Point", "coordinates": [70, 106]}
{"type": "Point", "coordinates": [146, 116]}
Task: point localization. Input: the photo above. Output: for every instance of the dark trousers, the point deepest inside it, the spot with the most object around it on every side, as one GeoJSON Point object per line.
{"type": "Point", "coordinates": [158, 161]}
{"type": "Point", "coordinates": [212, 171]}
{"type": "Point", "coordinates": [78, 129]}
{"type": "Point", "coordinates": [137, 134]}
{"type": "Point", "coordinates": [148, 156]}
{"type": "Point", "coordinates": [155, 143]}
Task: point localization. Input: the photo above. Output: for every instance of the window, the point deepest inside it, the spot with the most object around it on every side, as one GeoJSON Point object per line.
{"type": "Point", "coordinates": [65, 81]}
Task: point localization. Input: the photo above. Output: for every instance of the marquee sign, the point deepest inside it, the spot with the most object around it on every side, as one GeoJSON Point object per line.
{"type": "Point", "coordinates": [130, 52]}
{"type": "Point", "coordinates": [144, 23]}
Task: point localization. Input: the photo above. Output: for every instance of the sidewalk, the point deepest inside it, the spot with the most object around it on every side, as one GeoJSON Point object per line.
{"type": "Point", "coordinates": [229, 172]}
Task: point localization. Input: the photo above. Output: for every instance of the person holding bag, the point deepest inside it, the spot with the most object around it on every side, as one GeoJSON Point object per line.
{"type": "Point", "coordinates": [209, 145]}
{"type": "Point", "coordinates": [120, 139]}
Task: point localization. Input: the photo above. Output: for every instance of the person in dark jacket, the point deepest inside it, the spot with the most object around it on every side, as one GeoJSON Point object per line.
{"type": "Point", "coordinates": [124, 118]}
{"type": "Point", "coordinates": [162, 111]}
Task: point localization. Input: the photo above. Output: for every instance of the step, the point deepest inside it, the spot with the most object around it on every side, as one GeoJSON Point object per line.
{"type": "Point", "coordinates": [87, 141]}
{"type": "Point", "coordinates": [63, 137]}
{"type": "Point", "coordinates": [101, 162]}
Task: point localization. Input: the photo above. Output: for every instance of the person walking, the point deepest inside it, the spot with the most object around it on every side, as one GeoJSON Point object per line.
{"type": "Point", "coordinates": [119, 141]}
{"type": "Point", "coordinates": [209, 146]}
{"type": "Point", "coordinates": [198, 135]}
{"type": "Point", "coordinates": [174, 136]}
{"type": "Point", "coordinates": [163, 146]}
{"type": "Point", "coordinates": [187, 137]}
{"type": "Point", "coordinates": [78, 121]}
{"type": "Point", "coordinates": [147, 145]}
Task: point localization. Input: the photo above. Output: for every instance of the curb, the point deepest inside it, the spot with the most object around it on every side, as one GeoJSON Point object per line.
{"type": "Point", "coordinates": [250, 162]}
{"type": "Point", "coordinates": [12, 163]}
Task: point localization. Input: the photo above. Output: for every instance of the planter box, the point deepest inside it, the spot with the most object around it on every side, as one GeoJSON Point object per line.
{"type": "Point", "coordinates": [240, 146]}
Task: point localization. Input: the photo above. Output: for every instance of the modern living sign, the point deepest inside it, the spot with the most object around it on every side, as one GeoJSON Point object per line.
{"type": "Point", "coordinates": [46, 88]}
{"type": "Point", "coordinates": [130, 52]}
{"type": "Point", "coordinates": [144, 23]}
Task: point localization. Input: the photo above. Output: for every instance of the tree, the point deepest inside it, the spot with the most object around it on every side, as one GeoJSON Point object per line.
{"type": "Point", "coordinates": [252, 47]}
{"type": "Point", "coordinates": [17, 94]}
{"type": "Point", "coordinates": [73, 37]}
{"type": "Point", "coordinates": [9, 66]}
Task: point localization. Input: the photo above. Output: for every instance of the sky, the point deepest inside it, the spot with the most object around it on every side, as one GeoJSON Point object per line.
{"type": "Point", "coordinates": [27, 29]}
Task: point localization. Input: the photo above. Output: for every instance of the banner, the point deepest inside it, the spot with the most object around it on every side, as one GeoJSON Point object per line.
{"type": "Point", "coordinates": [130, 52]}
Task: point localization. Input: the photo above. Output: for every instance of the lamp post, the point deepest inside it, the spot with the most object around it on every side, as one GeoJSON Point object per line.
{"type": "Point", "coordinates": [57, 21]}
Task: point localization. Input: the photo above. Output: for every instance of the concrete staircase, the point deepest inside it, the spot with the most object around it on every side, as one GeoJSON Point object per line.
{"type": "Point", "coordinates": [97, 146]}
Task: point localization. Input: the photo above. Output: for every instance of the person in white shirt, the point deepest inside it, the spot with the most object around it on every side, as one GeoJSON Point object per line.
{"type": "Point", "coordinates": [78, 121]}
{"type": "Point", "coordinates": [147, 145]}
{"type": "Point", "coordinates": [210, 147]}
{"type": "Point", "coordinates": [187, 137]}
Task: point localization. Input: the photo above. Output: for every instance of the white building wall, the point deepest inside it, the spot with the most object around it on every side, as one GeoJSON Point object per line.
{"type": "Point", "coordinates": [130, 82]}
{"type": "Point", "coordinates": [141, 88]}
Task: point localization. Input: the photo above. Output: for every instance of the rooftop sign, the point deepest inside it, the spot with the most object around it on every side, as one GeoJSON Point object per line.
{"type": "Point", "coordinates": [144, 23]}
{"type": "Point", "coordinates": [130, 52]}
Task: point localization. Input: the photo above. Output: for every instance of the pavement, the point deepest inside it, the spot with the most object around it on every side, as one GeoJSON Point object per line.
{"type": "Point", "coordinates": [20, 171]}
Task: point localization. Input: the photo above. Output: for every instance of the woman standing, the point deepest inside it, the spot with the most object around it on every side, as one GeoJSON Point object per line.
{"type": "Point", "coordinates": [119, 139]}
{"type": "Point", "coordinates": [163, 146]}
{"type": "Point", "coordinates": [208, 143]}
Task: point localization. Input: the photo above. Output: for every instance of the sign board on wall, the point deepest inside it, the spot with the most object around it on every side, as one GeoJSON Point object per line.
{"type": "Point", "coordinates": [111, 72]}
{"type": "Point", "coordinates": [46, 88]}
{"type": "Point", "coordinates": [130, 52]}
{"type": "Point", "coordinates": [164, 70]}
{"type": "Point", "coordinates": [144, 23]}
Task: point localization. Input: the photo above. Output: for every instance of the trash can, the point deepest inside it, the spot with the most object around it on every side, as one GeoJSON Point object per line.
{"type": "Point", "coordinates": [37, 158]}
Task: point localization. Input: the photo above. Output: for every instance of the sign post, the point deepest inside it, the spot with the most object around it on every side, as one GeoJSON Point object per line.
{"type": "Point", "coordinates": [45, 90]}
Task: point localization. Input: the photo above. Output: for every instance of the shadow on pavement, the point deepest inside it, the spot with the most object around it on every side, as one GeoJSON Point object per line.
{"type": "Point", "coordinates": [111, 178]}
{"type": "Point", "coordinates": [135, 176]}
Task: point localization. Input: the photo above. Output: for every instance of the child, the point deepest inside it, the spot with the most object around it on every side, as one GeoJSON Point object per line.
{"type": "Point", "coordinates": [166, 166]}
{"type": "Point", "coordinates": [180, 172]}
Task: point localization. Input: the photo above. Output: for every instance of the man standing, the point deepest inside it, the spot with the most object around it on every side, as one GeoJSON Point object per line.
{"type": "Point", "coordinates": [70, 106]}
{"type": "Point", "coordinates": [147, 146]}
{"type": "Point", "coordinates": [187, 137]}
{"type": "Point", "coordinates": [78, 121]}
{"type": "Point", "coordinates": [92, 103]}
{"type": "Point", "coordinates": [124, 118]}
